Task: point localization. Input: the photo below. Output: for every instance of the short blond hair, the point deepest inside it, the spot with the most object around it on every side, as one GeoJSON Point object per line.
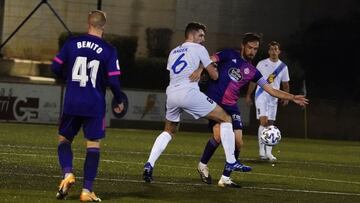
{"type": "Point", "coordinates": [97, 19]}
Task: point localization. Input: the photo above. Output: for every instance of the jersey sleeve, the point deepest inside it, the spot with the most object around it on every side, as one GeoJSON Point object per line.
{"type": "Point", "coordinates": [259, 66]}
{"type": "Point", "coordinates": [285, 76]}
{"type": "Point", "coordinates": [113, 66]}
{"type": "Point", "coordinates": [59, 61]}
{"type": "Point", "coordinates": [113, 73]}
{"type": "Point", "coordinates": [259, 79]}
{"type": "Point", "coordinates": [204, 56]}
{"type": "Point", "coordinates": [222, 55]}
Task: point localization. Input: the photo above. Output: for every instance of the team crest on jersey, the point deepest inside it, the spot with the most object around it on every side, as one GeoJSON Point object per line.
{"type": "Point", "coordinates": [246, 71]}
{"type": "Point", "coordinates": [271, 78]}
{"type": "Point", "coordinates": [235, 74]}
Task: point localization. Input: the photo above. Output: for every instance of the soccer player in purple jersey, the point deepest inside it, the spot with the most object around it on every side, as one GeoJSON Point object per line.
{"type": "Point", "coordinates": [88, 64]}
{"type": "Point", "coordinates": [235, 71]}
{"type": "Point", "coordinates": [183, 94]}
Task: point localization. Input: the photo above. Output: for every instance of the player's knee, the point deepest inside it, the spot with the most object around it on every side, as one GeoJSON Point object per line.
{"type": "Point", "coordinates": [225, 117]}
{"type": "Point", "coordinates": [62, 139]}
{"type": "Point", "coordinates": [171, 128]}
{"type": "Point", "coordinates": [93, 143]}
{"type": "Point", "coordinates": [264, 122]}
{"type": "Point", "coordinates": [171, 131]}
{"type": "Point", "coordinates": [228, 118]}
{"type": "Point", "coordinates": [216, 133]}
{"type": "Point", "coordinates": [217, 137]}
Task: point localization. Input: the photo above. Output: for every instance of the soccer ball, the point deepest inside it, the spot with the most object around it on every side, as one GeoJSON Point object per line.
{"type": "Point", "coordinates": [270, 135]}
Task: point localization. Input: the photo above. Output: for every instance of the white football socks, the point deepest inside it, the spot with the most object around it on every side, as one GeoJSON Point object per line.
{"type": "Point", "coordinates": [268, 151]}
{"type": "Point", "coordinates": [228, 141]}
{"type": "Point", "coordinates": [159, 146]}
{"type": "Point", "coordinates": [261, 145]}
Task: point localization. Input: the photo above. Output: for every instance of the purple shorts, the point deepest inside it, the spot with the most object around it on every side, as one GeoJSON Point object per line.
{"type": "Point", "coordinates": [234, 112]}
{"type": "Point", "coordinates": [93, 127]}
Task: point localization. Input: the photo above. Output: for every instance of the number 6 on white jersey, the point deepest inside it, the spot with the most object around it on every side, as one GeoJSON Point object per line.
{"type": "Point", "coordinates": [179, 62]}
{"type": "Point", "coordinates": [79, 71]}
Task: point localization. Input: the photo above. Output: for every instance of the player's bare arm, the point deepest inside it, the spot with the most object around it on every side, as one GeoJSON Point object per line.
{"type": "Point", "coordinates": [298, 99]}
{"type": "Point", "coordinates": [213, 72]}
{"type": "Point", "coordinates": [196, 75]}
{"type": "Point", "coordinates": [211, 69]}
{"type": "Point", "coordinates": [285, 88]}
{"type": "Point", "coordinates": [250, 90]}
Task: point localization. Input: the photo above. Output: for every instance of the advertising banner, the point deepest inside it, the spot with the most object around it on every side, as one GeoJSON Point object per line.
{"type": "Point", "coordinates": [42, 104]}
{"type": "Point", "coordinates": [29, 103]}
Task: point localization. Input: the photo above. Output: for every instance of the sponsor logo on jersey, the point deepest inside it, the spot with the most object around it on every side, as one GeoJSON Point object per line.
{"type": "Point", "coordinates": [235, 74]}
{"type": "Point", "coordinates": [210, 100]}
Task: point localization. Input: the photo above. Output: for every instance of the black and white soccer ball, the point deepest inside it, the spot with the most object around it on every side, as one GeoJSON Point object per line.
{"type": "Point", "coordinates": [270, 135]}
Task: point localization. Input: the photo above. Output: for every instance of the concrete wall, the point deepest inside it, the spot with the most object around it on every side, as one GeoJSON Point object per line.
{"type": "Point", "coordinates": [38, 38]}
{"type": "Point", "coordinates": [226, 20]}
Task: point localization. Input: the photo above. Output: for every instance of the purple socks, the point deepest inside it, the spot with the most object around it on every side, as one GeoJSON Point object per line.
{"type": "Point", "coordinates": [90, 167]}
{"type": "Point", "coordinates": [65, 157]}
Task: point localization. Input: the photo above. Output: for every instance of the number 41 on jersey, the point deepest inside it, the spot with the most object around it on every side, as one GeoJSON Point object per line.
{"type": "Point", "coordinates": [79, 71]}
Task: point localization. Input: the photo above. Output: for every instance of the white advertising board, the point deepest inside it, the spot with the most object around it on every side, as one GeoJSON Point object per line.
{"type": "Point", "coordinates": [41, 104]}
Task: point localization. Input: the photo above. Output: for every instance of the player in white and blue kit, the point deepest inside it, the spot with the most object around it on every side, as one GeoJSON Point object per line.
{"type": "Point", "coordinates": [183, 94]}
{"type": "Point", "coordinates": [276, 73]}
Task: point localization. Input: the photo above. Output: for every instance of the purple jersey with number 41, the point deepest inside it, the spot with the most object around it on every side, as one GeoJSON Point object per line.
{"type": "Point", "coordinates": [88, 64]}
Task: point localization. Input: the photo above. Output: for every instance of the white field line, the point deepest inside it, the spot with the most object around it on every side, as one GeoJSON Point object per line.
{"type": "Point", "coordinates": [191, 168]}
{"type": "Point", "coordinates": [187, 155]}
{"type": "Point", "coordinates": [193, 184]}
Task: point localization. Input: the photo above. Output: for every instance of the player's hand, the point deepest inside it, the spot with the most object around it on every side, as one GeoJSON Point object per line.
{"type": "Point", "coordinates": [300, 100]}
{"type": "Point", "coordinates": [195, 76]}
{"type": "Point", "coordinates": [248, 100]}
{"type": "Point", "coordinates": [119, 108]}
